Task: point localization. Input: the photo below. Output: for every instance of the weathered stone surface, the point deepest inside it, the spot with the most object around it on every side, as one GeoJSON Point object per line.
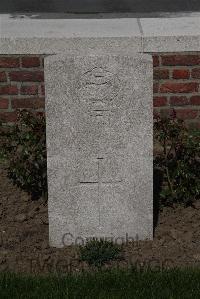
{"type": "Point", "coordinates": [85, 36]}
{"type": "Point", "coordinates": [165, 34]}
{"type": "Point", "coordinates": [99, 142]}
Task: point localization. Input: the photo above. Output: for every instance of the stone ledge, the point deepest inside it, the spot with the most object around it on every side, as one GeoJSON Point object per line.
{"type": "Point", "coordinates": [171, 34]}
{"type": "Point", "coordinates": [123, 35]}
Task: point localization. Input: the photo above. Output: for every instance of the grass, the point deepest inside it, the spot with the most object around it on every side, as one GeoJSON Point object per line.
{"type": "Point", "coordinates": [173, 284]}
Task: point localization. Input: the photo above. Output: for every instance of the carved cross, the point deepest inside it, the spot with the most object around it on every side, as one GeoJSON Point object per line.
{"type": "Point", "coordinates": [99, 182]}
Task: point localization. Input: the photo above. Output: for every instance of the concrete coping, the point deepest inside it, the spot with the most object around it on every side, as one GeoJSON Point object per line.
{"type": "Point", "coordinates": [120, 35]}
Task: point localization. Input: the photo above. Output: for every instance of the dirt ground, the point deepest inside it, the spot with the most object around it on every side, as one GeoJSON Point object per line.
{"type": "Point", "coordinates": [24, 238]}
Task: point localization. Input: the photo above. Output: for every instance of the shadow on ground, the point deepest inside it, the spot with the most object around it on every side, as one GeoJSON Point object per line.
{"type": "Point", "coordinates": [157, 186]}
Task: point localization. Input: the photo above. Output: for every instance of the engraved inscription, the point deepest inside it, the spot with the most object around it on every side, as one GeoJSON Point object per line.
{"type": "Point", "coordinates": [98, 89]}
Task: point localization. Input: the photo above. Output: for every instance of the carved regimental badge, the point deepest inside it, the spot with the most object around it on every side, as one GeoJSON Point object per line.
{"type": "Point", "coordinates": [98, 89]}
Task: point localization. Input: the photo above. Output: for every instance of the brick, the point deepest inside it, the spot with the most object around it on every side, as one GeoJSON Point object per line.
{"type": "Point", "coordinates": [4, 103]}
{"type": "Point", "coordinates": [29, 90]}
{"type": "Point", "coordinates": [159, 101]}
{"type": "Point", "coordinates": [165, 112]}
{"type": "Point", "coordinates": [186, 113]}
{"type": "Point", "coordinates": [155, 87]}
{"type": "Point", "coordinates": [28, 103]}
{"type": "Point", "coordinates": [179, 101]}
{"type": "Point", "coordinates": [171, 87]}
{"type": "Point", "coordinates": [27, 76]}
{"type": "Point", "coordinates": [196, 73]}
{"type": "Point", "coordinates": [181, 74]}
{"type": "Point", "coordinates": [155, 60]}
{"type": "Point", "coordinates": [30, 62]}
{"type": "Point", "coordinates": [9, 62]}
{"type": "Point", "coordinates": [7, 89]}
{"type": "Point", "coordinates": [8, 116]}
{"type": "Point", "coordinates": [195, 100]}
{"type": "Point", "coordinates": [3, 77]}
{"type": "Point", "coordinates": [187, 60]}
{"type": "Point", "coordinates": [161, 74]}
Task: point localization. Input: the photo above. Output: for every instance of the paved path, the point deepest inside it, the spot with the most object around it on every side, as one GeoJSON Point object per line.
{"type": "Point", "coordinates": [91, 6]}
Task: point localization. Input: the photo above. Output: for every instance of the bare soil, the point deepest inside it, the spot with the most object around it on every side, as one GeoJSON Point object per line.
{"type": "Point", "coordinates": [24, 238]}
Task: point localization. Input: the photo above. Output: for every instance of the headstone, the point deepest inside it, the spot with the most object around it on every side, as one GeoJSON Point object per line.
{"type": "Point", "coordinates": [99, 143]}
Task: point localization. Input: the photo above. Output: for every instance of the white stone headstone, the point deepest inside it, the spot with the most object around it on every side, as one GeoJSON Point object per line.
{"type": "Point", "coordinates": [99, 145]}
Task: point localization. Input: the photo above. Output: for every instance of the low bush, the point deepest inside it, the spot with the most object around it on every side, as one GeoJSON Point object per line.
{"type": "Point", "coordinates": [24, 147]}
{"type": "Point", "coordinates": [99, 252]}
{"type": "Point", "coordinates": [179, 160]}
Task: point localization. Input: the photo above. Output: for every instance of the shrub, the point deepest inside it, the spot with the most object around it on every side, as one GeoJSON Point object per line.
{"type": "Point", "coordinates": [179, 160]}
{"type": "Point", "coordinates": [24, 146]}
{"type": "Point", "coordinates": [98, 252]}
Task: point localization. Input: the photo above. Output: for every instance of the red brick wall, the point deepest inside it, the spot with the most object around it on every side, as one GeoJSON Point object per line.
{"type": "Point", "coordinates": [21, 85]}
{"type": "Point", "coordinates": [176, 85]}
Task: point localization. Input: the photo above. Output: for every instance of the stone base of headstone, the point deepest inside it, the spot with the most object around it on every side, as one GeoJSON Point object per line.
{"type": "Point", "coordinates": [99, 145]}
